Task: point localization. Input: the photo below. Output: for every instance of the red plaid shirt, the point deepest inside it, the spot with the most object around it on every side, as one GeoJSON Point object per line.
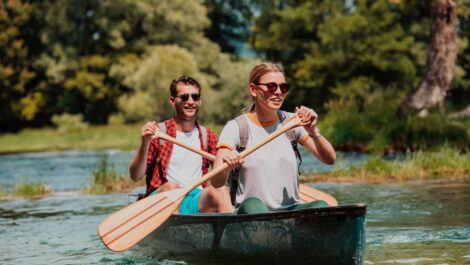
{"type": "Point", "coordinates": [159, 156]}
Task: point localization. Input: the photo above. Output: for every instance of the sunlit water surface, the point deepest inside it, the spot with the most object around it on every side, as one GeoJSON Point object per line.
{"type": "Point", "coordinates": [418, 223]}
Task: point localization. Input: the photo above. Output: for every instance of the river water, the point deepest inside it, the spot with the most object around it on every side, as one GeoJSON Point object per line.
{"type": "Point", "coordinates": [414, 223]}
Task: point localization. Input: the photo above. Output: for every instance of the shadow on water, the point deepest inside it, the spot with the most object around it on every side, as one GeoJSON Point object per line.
{"type": "Point", "coordinates": [15, 214]}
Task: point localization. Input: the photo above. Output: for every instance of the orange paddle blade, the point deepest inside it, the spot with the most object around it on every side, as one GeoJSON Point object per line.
{"type": "Point", "coordinates": [125, 228]}
{"type": "Point", "coordinates": [308, 194]}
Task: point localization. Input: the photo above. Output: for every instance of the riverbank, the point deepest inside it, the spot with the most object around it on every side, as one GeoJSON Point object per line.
{"type": "Point", "coordinates": [123, 137]}
{"type": "Point", "coordinates": [441, 166]}
{"type": "Point", "coordinates": [445, 164]}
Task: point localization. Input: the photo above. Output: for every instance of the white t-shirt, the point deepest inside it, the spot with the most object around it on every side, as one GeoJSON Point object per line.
{"type": "Point", "coordinates": [271, 172]}
{"type": "Point", "coordinates": [185, 166]}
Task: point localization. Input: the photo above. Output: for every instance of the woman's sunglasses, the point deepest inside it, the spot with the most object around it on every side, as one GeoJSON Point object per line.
{"type": "Point", "coordinates": [272, 87]}
{"type": "Point", "coordinates": [185, 97]}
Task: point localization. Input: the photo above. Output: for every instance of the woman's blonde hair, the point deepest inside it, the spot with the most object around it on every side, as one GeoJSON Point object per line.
{"type": "Point", "coordinates": [257, 72]}
{"type": "Point", "coordinates": [261, 69]}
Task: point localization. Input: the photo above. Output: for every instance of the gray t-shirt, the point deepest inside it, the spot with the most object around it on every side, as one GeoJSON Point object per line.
{"type": "Point", "coordinates": [270, 173]}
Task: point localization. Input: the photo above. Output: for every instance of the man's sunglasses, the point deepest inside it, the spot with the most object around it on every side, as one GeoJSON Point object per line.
{"type": "Point", "coordinates": [272, 87]}
{"type": "Point", "coordinates": [185, 97]}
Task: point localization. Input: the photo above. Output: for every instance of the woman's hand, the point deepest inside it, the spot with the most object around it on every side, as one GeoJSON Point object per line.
{"type": "Point", "coordinates": [225, 155]}
{"type": "Point", "coordinates": [232, 158]}
{"type": "Point", "coordinates": [309, 116]}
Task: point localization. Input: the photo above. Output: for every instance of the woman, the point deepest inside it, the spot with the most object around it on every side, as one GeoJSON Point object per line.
{"type": "Point", "coordinates": [269, 178]}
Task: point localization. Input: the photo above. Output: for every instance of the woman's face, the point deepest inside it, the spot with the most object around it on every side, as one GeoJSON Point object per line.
{"type": "Point", "coordinates": [266, 94]}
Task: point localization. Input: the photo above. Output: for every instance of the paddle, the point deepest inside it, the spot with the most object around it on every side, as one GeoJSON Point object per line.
{"type": "Point", "coordinates": [125, 228]}
{"type": "Point", "coordinates": [168, 138]}
{"type": "Point", "coordinates": [307, 194]}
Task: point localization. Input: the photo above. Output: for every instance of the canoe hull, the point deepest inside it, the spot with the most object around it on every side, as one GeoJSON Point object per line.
{"type": "Point", "coordinates": [333, 235]}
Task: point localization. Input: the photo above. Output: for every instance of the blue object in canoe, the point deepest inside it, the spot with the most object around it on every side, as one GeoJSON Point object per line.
{"type": "Point", "coordinates": [330, 235]}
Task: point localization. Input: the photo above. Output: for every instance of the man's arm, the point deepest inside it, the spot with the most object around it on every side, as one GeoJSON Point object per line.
{"type": "Point", "coordinates": [138, 164]}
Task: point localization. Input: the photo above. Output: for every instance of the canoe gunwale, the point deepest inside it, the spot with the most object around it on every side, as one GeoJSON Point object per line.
{"type": "Point", "coordinates": [353, 210]}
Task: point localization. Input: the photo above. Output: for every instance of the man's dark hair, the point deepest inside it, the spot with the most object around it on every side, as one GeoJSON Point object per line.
{"type": "Point", "coordinates": [187, 80]}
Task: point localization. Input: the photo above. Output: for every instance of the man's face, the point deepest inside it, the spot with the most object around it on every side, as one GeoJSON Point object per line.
{"type": "Point", "coordinates": [186, 102]}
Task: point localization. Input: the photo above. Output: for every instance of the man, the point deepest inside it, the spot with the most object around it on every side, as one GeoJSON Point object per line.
{"type": "Point", "coordinates": [168, 166]}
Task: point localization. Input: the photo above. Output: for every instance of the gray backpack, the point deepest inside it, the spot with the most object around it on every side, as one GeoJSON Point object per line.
{"type": "Point", "coordinates": [243, 129]}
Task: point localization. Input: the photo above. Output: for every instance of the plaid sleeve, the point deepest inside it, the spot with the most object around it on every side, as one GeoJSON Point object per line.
{"type": "Point", "coordinates": [212, 140]}
{"type": "Point", "coordinates": [152, 158]}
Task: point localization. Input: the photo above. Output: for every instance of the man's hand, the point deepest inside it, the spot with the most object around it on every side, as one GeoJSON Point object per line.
{"type": "Point", "coordinates": [148, 131]}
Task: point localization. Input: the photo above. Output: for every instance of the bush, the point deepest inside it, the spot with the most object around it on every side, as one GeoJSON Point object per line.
{"type": "Point", "coordinates": [374, 126]}
{"type": "Point", "coordinates": [149, 79]}
{"type": "Point", "coordinates": [106, 180]}
{"type": "Point", "coordinates": [69, 123]}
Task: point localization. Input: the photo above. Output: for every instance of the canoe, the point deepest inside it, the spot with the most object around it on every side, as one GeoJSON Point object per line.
{"type": "Point", "coordinates": [329, 235]}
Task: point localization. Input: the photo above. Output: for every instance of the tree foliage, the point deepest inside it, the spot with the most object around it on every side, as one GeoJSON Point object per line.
{"type": "Point", "coordinates": [99, 58]}
{"type": "Point", "coordinates": [21, 92]}
{"type": "Point", "coordinates": [328, 51]}
{"type": "Point", "coordinates": [116, 58]}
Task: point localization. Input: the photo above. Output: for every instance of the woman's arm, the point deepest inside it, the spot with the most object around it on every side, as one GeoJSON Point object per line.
{"type": "Point", "coordinates": [316, 144]}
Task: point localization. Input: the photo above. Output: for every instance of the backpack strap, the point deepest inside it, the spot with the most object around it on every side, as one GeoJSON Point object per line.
{"type": "Point", "coordinates": [243, 131]}
{"type": "Point", "coordinates": [162, 127]}
{"type": "Point", "coordinates": [235, 172]}
{"type": "Point", "coordinates": [282, 118]}
{"type": "Point", "coordinates": [291, 135]}
{"type": "Point", "coordinates": [203, 131]}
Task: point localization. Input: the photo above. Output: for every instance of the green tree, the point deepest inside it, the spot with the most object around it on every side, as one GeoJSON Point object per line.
{"type": "Point", "coordinates": [86, 39]}
{"type": "Point", "coordinates": [150, 77]}
{"type": "Point", "coordinates": [21, 92]}
{"type": "Point", "coordinates": [441, 58]}
{"type": "Point", "coordinates": [460, 92]}
{"type": "Point", "coordinates": [328, 47]}
{"type": "Point", "coordinates": [230, 22]}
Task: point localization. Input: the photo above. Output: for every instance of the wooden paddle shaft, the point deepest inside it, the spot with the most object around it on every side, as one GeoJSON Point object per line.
{"type": "Point", "coordinates": [166, 137]}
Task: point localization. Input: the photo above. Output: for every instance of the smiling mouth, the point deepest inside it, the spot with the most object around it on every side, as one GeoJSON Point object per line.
{"type": "Point", "coordinates": [190, 108]}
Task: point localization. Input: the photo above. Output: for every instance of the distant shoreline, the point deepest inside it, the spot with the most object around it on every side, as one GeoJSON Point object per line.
{"type": "Point", "coordinates": [326, 178]}
{"type": "Point", "coordinates": [444, 164]}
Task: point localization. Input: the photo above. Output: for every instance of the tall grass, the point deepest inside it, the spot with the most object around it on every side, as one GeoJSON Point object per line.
{"type": "Point", "coordinates": [445, 163]}
{"type": "Point", "coordinates": [31, 190]}
{"type": "Point", "coordinates": [105, 180]}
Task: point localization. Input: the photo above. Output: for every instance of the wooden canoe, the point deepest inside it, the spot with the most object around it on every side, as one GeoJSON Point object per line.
{"type": "Point", "coordinates": [330, 235]}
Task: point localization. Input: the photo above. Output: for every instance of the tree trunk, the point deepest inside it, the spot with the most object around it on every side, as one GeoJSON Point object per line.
{"type": "Point", "coordinates": [442, 53]}
{"type": "Point", "coordinates": [461, 114]}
